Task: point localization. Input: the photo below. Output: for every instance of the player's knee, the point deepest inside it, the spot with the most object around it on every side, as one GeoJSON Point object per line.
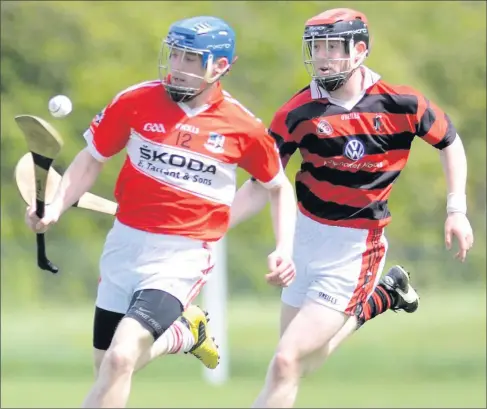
{"type": "Point", "coordinates": [119, 360]}
{"type": "Point", "coordinates": [286, 365]}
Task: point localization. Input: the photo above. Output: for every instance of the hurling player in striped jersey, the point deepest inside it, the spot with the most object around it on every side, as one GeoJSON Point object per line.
{"type": "Point", "coordinates": [354, 132]}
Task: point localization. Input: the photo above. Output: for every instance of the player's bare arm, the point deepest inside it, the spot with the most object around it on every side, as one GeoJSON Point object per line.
{"type": "Point", "coordinates": [454, 164]}
{"type": "Point", "coordinates": [283, 210]}
{"type": "Point", "coordinates": [263, 162]}
{"type": "Point", "coordinates": [78, 179]}
{"type": "Point", "coordinates": [250, 199]}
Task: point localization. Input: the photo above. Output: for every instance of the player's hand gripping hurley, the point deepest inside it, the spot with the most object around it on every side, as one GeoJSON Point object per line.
{"type": "Point", "coordinates": [25, 181]}
{"type": "Point", "coordinates": [44, 143]}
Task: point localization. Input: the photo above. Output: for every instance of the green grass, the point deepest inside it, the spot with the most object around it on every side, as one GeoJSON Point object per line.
{"type": "Point", "coordinates": [433, 358]}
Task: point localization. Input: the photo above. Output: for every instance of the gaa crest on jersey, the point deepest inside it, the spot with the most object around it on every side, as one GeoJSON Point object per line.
{"type": "Point", "coordinates": [215, 142]}
{"type": "Point", "coordinates": [354, 150]}
{"type": "Point", "coordinates": [324, 128]}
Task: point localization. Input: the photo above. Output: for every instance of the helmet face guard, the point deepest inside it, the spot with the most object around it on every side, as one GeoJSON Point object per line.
{"type": "Point", "coordinates": [208, 39]}
{"type": "Point", "coordinates": [180, 93]}
{"type": "Point", "coordinates": [329, 53]}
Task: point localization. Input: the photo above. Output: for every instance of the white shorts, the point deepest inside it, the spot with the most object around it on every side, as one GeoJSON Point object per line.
{"type": "Point", "coordinates": [338, 267]}
{"type": "Point", "coordinates": [133, 260]}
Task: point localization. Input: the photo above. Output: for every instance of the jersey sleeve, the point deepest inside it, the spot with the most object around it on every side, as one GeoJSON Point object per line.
{"type": "Point", "coordinates": [261, 159]}
{"type": "Point", "coordinates": [433, 125]}
{"type": "Point", "coordinates": [280, 132]}
{"type": "Point", "coordinates": [109, 131]}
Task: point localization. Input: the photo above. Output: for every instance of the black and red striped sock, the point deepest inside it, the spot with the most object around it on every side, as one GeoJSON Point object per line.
{"type": "Point", "coordinates": [379, 302]}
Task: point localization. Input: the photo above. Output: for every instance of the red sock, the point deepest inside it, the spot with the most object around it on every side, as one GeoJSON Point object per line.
{"type": "Point", "coordinates": [379, 302]}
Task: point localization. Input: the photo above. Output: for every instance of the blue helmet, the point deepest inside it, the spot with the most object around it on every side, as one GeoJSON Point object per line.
{"type": "Point", "coordinates": [209, 37]}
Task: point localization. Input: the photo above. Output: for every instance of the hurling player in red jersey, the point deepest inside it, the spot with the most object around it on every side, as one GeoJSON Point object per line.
{"type": "Point", "coordinates": [184, 137]}
{"type": "Point", "coordinates": [354, 132]}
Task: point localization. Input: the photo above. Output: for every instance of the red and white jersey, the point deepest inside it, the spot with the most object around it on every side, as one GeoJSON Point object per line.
{"type": "Point", "coordinates": [179, 176]}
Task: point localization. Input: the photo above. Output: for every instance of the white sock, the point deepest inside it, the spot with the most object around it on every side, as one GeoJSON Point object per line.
{"type": "Point", "coordinates": [179, 338]}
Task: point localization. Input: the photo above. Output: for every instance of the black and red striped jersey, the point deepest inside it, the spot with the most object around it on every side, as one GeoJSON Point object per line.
{"type": "Point", "coordinates": [352, 157]}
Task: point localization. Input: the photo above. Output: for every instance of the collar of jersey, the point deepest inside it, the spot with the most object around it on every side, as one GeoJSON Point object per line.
{"type": "Point", "coordinates": [370, 78]}
{"type": "Point", "coordinates": [215, 97]}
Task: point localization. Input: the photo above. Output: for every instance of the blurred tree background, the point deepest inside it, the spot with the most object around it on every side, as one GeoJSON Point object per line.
{"type": "Point", "coordinates": [92, 50]}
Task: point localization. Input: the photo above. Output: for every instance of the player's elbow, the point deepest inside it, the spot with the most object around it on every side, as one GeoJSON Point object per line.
{"type": "Point", "coordinates": [283, 188]}
{"type": "Point", "coordinates": [85, 166]}
{"type": "Point", "coordinates": [89, 159]}
{"type": "Point", "coordinates": [454, 153]}
{"type": "Point", "coordinates": [455, 146]}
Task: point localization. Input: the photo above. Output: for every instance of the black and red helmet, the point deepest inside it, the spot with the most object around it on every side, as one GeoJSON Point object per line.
{"type": "Point", "coordinates": [342, 24]}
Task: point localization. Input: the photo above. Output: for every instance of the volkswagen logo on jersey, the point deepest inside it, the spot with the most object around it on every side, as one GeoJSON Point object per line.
{"type": "Point", "coordinates": [354, 150]}
{"type": "Point", "coordinates": [324, 128]}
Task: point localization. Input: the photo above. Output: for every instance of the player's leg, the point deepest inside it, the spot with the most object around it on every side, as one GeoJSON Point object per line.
{"type": "Point", "coordinates": [342, 275]}
{"type": "Point", "coordinates": [288, 313]}
{"type": "Point", "coordinates": [151, 314]}
{"type": "Point", "coordinates": [372, 264]}
{"type": "Point", "coordinates": [186, 272]}
{"type": "Point", "coordinates": [131, 259]}
{"type": "Point", "coordinates": [293, 297]}
{"type": "Point", "coordinates": [299, 315]}
{"type": "Point", "coordinates": [114, 291]}
{"type": "Point", "coordinates": [394, 292]}
{"type": "Point", "coordinates": [113, 301]}
{"type": "Point", "coordinates": [105, 324]}
{"type": "Point", "coordinates": [188, 333]}
{"type": "Point", "coordinates": [309, 332]}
